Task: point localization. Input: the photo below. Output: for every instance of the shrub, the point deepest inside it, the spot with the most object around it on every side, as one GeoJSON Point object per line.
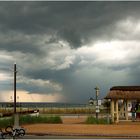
{"type": "Point", "coordinates": [93, 120]}
{"type": "Point", "coordinates": [6, 122]}
{"type": "Point", "coordinates": [40, 119]}
{"type": "Point", "coordinates": [29, 120]}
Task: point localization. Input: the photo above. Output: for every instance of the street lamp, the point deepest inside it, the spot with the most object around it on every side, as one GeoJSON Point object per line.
{"type": "Point", "coordinates": [97, 107]}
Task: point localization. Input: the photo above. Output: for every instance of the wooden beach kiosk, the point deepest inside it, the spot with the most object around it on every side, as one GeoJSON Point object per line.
{"type": "Point", "coordinates": [122, 100]}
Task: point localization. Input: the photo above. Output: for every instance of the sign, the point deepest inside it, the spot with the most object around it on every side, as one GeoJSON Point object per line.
{"type": "Point", "coordinates": [99, 102]}
{"type": "Point", "coordinates": [97, 107]}
{"type": "Point", "coordinates": [97, 110]}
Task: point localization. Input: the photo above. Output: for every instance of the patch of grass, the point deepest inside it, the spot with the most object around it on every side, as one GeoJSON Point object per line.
{"type": "Point", "coordinates": [6, 122]}
{"type": "Point", "coordinates": [30, 120]}
{"type": "Point", "coordinates": [93, 120]}
{"type": "Point", "coordinates": [33, 119]}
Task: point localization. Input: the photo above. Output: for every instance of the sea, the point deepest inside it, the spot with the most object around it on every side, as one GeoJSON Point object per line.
{"type": "Point", "coordinates": [43, 105]}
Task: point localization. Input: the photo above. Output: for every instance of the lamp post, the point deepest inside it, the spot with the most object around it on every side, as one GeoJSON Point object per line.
{"type": "Point", "coordinates": [97, 107]}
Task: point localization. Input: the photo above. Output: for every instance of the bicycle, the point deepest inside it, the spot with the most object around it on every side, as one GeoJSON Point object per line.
{"type": "Point", "coordinates": [14, 132]}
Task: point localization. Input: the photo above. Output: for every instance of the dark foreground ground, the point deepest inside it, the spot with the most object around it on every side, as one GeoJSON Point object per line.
{"type": "Point", "coordinates": [74, 137]}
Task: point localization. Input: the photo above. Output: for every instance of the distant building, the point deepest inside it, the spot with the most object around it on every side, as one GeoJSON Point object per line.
{"type": "Point", "coordinates": [91, 101]}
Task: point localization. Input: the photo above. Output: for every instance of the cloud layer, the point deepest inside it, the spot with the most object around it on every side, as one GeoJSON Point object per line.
{"type": "Point", "coordinates": [64, 49]}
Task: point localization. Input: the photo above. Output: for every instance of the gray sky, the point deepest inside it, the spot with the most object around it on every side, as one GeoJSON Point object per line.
{"type": "Point", "coordinates": [64, 49]}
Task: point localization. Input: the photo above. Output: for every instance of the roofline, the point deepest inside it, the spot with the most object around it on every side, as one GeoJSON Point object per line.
{"type": "Point", "coordinates": [126, 88]}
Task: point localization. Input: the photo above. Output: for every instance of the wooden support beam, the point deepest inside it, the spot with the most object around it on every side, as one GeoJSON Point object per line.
{"type": "Point", "coordinates": [117, 114]}
{"type": "Point", "coordinates": [112, 110]}
{"type": "Point", "coordinates": [126, 110]}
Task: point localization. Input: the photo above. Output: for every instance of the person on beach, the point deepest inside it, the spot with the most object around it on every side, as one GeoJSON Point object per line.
{"type": "Point", "coordinates": [133, 111]}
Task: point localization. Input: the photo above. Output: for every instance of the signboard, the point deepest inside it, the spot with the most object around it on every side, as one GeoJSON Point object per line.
{"type": "Point", "coordinates": [97, 110]}
{"type": "Point", "coordinates": [97, 107]}
{"type": "Point", "coordinates": [99, 102]}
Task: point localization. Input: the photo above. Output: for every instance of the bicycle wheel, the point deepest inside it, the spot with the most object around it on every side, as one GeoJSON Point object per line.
{"type": "Point", "coordinates": [9, 129]}
{"type": "Point", "coordinates": [21, 132]}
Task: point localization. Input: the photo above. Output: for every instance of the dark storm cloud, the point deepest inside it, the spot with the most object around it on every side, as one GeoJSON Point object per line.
{"type": "Point", "coordinates": [29, 31]}
{"type": "Point", "coordinates": [61, 76]}
{"type": "Point", "coordinates": [24, 48]}
{"type": "Point", "coordinates": [5, 66]}
{"type": "Point", "coordinates": [71, 21]}
{"type": "Point", "coordinates": [32, 88]}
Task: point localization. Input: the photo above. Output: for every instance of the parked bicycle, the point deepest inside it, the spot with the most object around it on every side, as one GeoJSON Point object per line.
{"type": "Point", "coordinates": [10, 131]}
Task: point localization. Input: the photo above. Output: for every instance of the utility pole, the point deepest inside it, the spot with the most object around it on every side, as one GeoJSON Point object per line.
{"type": "Point", "coordinates": [16, 115]}
{"type": "Point", "coordinates": [15, 72]}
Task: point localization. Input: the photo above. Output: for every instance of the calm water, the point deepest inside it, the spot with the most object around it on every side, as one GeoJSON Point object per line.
{"type": "Point", "coordinates": [43, 104]}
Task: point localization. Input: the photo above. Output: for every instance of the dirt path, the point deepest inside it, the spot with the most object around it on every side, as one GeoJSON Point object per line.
{"type": "Point", "coordinates": [76, 126]}
{"type": "Point", "coordinates": [84, 129]}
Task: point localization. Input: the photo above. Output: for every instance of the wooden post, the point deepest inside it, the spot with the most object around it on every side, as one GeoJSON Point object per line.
{"type": "Point", "coordinates": [112, 110]}
{"type": "Point", "coordinates": [117, 114]}
{"type": "Point", "coordinates": [126, 110]}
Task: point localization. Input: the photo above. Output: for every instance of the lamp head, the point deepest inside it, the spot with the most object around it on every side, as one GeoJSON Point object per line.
{"type": "Point", "coordinates": [96, 88]}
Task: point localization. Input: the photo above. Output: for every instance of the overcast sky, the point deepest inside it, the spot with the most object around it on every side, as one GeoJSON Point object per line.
{"type": "Point", "coordinates": [63, 50]}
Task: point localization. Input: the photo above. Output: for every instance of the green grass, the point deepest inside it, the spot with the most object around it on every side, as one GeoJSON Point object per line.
{"type": "Point", "coordinates": [30, 120]}
{"type": "Point", "coordinates": [93, 120]}
{"type": "Point", "coordinates": [39, 119]}
{"type": "Point", "coordinates": [6, 122]}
